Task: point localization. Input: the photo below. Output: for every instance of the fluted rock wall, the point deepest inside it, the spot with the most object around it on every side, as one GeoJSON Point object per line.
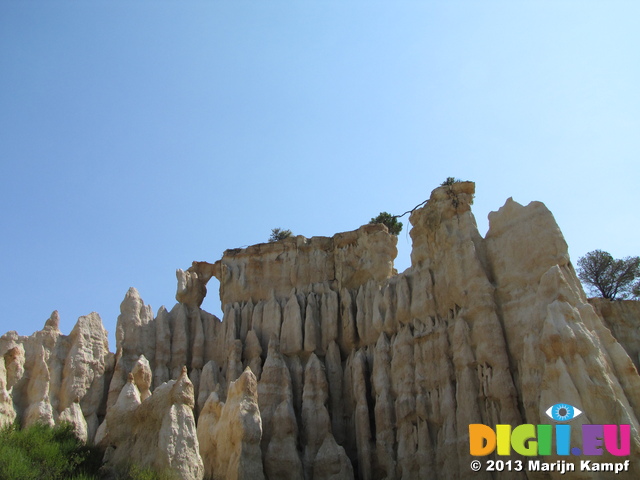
{"type": "Point", "coordinates": [54, 377]}
{"type": "Point", "coordinates": [622, 317]}
{"type": "Point", "coordinates": [330, 365]}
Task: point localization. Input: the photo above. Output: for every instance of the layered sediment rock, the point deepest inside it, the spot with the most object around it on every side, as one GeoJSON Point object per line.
{"type": "Point", "coordinates": [330, 365]}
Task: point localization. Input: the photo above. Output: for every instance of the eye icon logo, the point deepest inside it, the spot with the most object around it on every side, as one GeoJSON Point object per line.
{"type": "Point", "coordinates": [563, 412]}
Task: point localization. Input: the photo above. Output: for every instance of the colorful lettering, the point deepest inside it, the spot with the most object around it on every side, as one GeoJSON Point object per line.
{"type": "Point", "coordinates": [531, 440]}
{"type": "Point", "coordinates": [523, 440]}
{"type": "Point", "coordinates": [544, 439]}
{"type": "Point", "coordinates": [563, 439]}
{"type": "Point", "coordinates": [611, 440]}
{"type": "Point", "coordinates": [503, 434]}
{"type": "Point", "coordinates": [482, 440]}
{"type": "Point", "coordinates": [592, 436]}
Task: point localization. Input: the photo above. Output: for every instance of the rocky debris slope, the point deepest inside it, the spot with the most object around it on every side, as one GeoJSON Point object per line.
{"type": "Point", "coordinates": [328, 364]}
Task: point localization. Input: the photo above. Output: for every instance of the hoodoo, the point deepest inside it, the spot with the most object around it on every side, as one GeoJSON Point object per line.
{"type": "Point", "coordinates": [328, 364]}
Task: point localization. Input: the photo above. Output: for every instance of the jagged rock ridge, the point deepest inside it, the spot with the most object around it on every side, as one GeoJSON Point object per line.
{"type": "Point", "coordinates": [328, 364]}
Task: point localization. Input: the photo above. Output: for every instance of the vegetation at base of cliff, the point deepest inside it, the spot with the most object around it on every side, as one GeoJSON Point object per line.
{"type": "Point", "coordinates": [55, 453]}
{"type": "Point", "coordinates": [41, 451]}
{"type": "Point", "coordinates": [609, 277]}
{"type": "Point", "coordinates": [279, 234]}
{"type": "Point", "coordinates": [391, 222]}
{"type": "Point", "coordinates": [134, 472]}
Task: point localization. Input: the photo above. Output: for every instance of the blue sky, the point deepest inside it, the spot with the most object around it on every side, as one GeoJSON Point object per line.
{"type": "Point", "coordinates": [136, 137]}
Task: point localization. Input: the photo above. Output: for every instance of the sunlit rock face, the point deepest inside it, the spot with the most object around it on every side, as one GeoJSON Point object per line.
{"type": "Point", "coordinates": [328, 364]}
{"type": "Point", "coordinates": [52, 377]}
{"type": "Point", "coordinates": [157, 432]}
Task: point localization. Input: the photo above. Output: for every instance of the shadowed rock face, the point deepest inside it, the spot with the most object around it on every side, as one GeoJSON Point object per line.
{"type": "Point", "coordinates": [230, 433]}
{"type": "Point", "coordinates": [329, 365]}
{"type": "Point", "coordinates": [622, 318]}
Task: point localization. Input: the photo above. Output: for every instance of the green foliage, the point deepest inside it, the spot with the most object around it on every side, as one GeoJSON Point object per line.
{"type": "Point", "coordinates": [41, 452]}
{"type": "Point", "coordinates": [450, 181]}
{"type": "Point", "coordinates": [611, 278]}
{"type": "Point", "coordinates": [392, 223]}
{"type": "Point", "coordinates": [279, 234]}
{"type": "Point", "coordinates": [135, 472]}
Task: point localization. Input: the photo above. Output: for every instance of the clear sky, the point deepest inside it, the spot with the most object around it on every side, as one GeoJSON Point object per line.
{"type": "Point", "coordinates": [138, 136]}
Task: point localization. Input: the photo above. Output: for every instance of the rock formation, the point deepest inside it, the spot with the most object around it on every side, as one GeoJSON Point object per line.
{"type": "Point", "coordinates": [53, 377]}
{"type": "Point", "coordinates": [328, 364]}
{"type": "Point", "coordinates": [229, 433]}
{"type": "Point", "coordinates": [621, 318]}
{"type": "Point", "coordinates": [158, 432]}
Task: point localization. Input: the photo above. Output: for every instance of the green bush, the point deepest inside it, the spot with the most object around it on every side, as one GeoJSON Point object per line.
{"type": "Point", "coordinates": [135, 472]}
{"type": "Point", "coordinates": [41, 451]}
{"type": "Point", "coordinates": [278, 234]}
{"type": "Point", "coordinates": [450, 181]}
{"type": "Point", "coordinates": [392, 223]}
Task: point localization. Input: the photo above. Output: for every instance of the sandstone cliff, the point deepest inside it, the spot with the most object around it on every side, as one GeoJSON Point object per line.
{"type": "Point", "coordinates": [622, 317]}
{"type": "Point", "coordinates": [328, 364]}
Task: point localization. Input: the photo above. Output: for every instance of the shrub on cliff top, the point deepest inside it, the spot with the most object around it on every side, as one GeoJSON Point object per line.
{"type": "Point", "coordinates": [450, 181]}
{"type": "Point", "coordinates": [392, 223]}
{"type": "Point", "coordinates": [279, 234]}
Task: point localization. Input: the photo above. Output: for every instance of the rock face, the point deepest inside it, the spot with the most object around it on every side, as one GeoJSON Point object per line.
{"type": "Point", "coordinates": [230, 433]}
{"type": "Point", "coordinates": [330, 365]}
{"type": "Point", "coordinates": [52, 377]}
{"type": "Point", "coordinates": [157, 432]}
{"type": "Point", "coordinates": [621, 317]}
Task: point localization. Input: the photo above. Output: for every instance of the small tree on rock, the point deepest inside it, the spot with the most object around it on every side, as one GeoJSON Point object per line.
{"type": "Point", "coordinates": [279, 234]}
{"type": "Point", "coordinates": [611, 278]}
{"type": "Point", "coordinates": [450, 181]}
{"type": "Point", "coordinates": [392, 223]}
